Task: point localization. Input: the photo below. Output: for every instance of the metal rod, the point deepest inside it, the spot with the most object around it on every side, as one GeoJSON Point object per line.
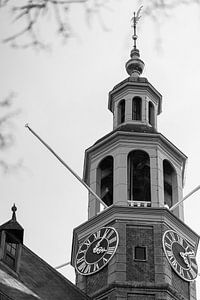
{"type": "Point", "coordinates": [63, 265]}
{"type": "Point", "coordinates": [64, 164]}
{"type": "Point", "coordinates": [188, 195]}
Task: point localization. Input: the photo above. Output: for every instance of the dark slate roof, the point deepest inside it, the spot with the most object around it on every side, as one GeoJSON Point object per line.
{"type": "Point", "coordinates": [129, 128]}
{"type": "Point", "coordinates": [131, 79]}
{"type": "Point", "coordinates": [36, 280]}
{"type": "Point", "coordinates": [14, 228]}
{"type": "Point", "coordinates": [11, 225]}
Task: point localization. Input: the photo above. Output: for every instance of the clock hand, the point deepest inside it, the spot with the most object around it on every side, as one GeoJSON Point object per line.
{"type": "Point", "coordinates": [96, 248]}
{"type": "Point", "coordinates": [184, 256]}
{"type": "Point", "coordinates": [190, 253]}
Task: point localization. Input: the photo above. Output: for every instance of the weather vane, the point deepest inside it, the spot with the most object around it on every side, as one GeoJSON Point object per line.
{"type": "Point", "coordinates": [135, 19]}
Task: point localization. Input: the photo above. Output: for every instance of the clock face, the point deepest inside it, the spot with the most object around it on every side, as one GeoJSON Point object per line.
{"type": "Point", "coordinates": [180, 254]}
{"type": "Point", "coordinates": [96, 251]}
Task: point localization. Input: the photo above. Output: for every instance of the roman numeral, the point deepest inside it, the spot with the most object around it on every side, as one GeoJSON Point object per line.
{"type": "Point", "coordinates": [110, 234]}
{"type": "Point", "coordinates": [171, 234]}
{"type": "Point", "coordinates": [82, 251]}
{"type": "Point", "coordinates": [174, 264]}
{"type": "Point", "coordinates": [168, 245]}
{"type": "Point", "coordinates": [105, 260]}
{"type": "Point", "coordinates": [97, 235]}
{"type": "Point", "coordinates": [82, 266]}
{"type": "Point", "coordinates": [112, 240]}
{"type": "Point", "coordinates": [87, 269]}
{"type": "Point", "coordinates": [88, 243]}
{"type": "Point", "coordinates": [170, 253]}
{"type": "Point", "coordinates": [193, 273]}
{"type": "Point", "coordinates": [181, 271]}
{"type": "Point", "coordinates": [96, 267]}
{"type": "Point", "coordinates": [110, 250]}
{"type": "Point", "coordinates": [193, 264]}
{"type": "Point", "coordinates": [106, 232]}
{"type": "Point", "coordinates": [80, 259]}
{"type": "Point", "coordinates": [189, 275]}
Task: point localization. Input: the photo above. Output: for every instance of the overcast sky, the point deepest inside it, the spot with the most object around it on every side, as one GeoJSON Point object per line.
{"type": "Point", "coordinates": [63, 95]}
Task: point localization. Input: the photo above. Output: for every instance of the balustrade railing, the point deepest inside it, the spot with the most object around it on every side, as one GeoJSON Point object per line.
{"type": "Point", "coordinates": [139, 203]}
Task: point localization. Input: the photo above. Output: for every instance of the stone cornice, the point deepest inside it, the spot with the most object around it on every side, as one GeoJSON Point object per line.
{"type": "Point", "coordinates": [139, 83]}
{"type": "Point", "coordinates": [117, 136]}
{"type": "Point", "coordinates": [141, 286]}
{"type": "Point", "coordinates": [141, 216]}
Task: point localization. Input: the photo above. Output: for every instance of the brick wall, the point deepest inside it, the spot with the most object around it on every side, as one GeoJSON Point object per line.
{"type": "Point", "coordinates": [96, 281]}
{"type": "Point", "coordinates": [138, 270]}
{"type": "Point", "coordinates": [180, 285]}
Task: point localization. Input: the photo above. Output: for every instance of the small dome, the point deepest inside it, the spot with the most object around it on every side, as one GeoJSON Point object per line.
{"type": "Point", "coordinates": [135, 65]}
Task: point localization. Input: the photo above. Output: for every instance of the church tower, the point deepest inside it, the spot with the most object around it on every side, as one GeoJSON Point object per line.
{"type": "Point", "coordinates": [135, 248]}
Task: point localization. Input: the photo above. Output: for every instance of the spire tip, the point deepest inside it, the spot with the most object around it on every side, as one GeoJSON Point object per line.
{"type": "Point", "coordinates": [14, 209]}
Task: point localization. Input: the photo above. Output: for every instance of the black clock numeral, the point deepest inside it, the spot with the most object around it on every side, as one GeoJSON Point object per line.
{"type": "Point", "coordinates": [180, 240]}
{"type": "Point", "coordinates": [174, 264]}
{"type": "Point", "coordinates": [110, 250]}
{"type": "Point", "coordinates": [169, 246]}
{"type": "Point", "coordinates": [88, 243]}
{"type": "Point", "coordinates": [106, 232]}
{"type": "Point", "coordinates": [87, 269]}
{"type": "Point", "coordinates": [114, 239]}
{"type": "Point", "coordinates": [96, 267]}
{"type": "Point", "coordinates": [105, 260]}
{"type": "Point", "coordinates": [79, 260]}
{"type": "Point", "coordinates": [194, 265]}
{"type": "Point", "coordinates": [109, 234]}
{"type": "Point", "coordinates": [170, 254]}
{"type": "Point", "coordinates": [97, 235]}
{"type": "Point", "coordinates": [193, 272]}
{"type": "Point", "coordinates": [182, 272]}
{"type": "Point", "coordinates": [82, 266]}
{"type": "Point", "coordinates": [172, 236]}
{"type": "Point", "coordinates": [82, 251]}
{"type": "Point", "coordinates": [189, 275]}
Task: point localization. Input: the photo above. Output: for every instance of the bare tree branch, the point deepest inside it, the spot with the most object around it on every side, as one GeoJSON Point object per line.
{"type": "Point", "coordinates": [30, 13]}
{"type": "Point", "coordinates": [7, 168]}
{"type": "Point", "coordinates": [6, 137]}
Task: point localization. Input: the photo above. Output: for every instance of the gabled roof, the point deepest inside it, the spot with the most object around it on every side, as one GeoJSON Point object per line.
{"type": "Point", "coordinates": [36, 280]}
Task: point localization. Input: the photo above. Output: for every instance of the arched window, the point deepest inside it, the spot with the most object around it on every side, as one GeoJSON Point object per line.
{"type": "Point", "coordinates": [151, 114]}
{"type": "Point", "coordinates": [121, 112]}
{"type": "Point", "coordinates": [105, 180]}
{"type": "Point", "coordinates": [139, 183]}
{"type": "Point", "coordinates": [137, 108]}
{"type": "Point", "coordinates": [170, 183]}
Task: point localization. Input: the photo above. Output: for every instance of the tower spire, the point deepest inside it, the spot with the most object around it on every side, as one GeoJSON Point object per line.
{"type": "Point", "coordinates": [14, 209]}
{"type": "Point", "coordinates": [135, 65]}
{"type": "Point", "coordinates": [135, 19]}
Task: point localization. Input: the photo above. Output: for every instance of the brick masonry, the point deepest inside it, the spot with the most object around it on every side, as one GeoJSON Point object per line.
{"type": "Point", "coordinates": [138, 270]}
{"type": "Point", "coordinates": [96, 281]}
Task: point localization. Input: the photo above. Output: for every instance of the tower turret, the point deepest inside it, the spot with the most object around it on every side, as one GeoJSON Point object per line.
{"type": "Point", "coordinates": [11, 240]}
{"type": "Point", "coordinates": [136, 248]}
{"type": "Point", "coordinates": [135, 164]}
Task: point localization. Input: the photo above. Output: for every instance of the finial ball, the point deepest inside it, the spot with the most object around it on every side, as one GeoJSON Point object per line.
{"type": "Point", "coordinates": [14, 208]}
